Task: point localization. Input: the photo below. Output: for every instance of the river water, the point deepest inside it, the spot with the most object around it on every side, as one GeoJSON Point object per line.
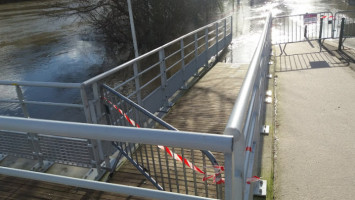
{"type": "Point", "coordinates": [34, 47]}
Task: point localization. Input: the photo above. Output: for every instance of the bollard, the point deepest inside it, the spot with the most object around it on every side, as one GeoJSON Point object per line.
{"type": "Point", "coordinates": [341, 35]}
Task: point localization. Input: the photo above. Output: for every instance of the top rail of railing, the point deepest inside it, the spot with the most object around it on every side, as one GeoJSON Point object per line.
{"type": "Point", "coordinates": [120, 67]}
{"type": "Point", "coordinates": [246, 119]}
{"type": "Point", "coordinates": [183, 139]}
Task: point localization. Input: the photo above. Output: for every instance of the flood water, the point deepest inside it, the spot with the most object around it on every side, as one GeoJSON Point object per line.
{"type": "Point", "coordinates": [34, 47]}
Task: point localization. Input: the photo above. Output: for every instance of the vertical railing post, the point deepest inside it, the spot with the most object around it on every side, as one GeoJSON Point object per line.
{"type": "Point", "coordinates": [225, 32]}
{"type": "Point", "coordinates": [163, 77]}
{"type": "Point", "coordinates": [234, 166]}
{"type": "Point", "coordinates": [22, 101]}
{"type": "Point", "coordinates": [231, 26]}
{"type": "Point", "coordinates": [217, 41]}
{"type": "Point", "coordinates": [341, 33]}
{"type": "Point", "coordinates": [85, 101]}
{"type": "Point", "coordinates": [31, 136]}
{"type": "Point", "coordinates": [207, 47]}
{"type": "Point", "coordinates": [305, 31]}
{"type": "Point", "coordinates": [320, 33]}
{"type": "Point", "coordinates": [182, 51]}
{"type": "Point", "coordinates": [228, 174]}
{"type": "Point", "coordinates": [196, 53]}
{"type": "Point", "coordinates": [96, 144]}
{"type": "Point", "coordinates": [137, 83]}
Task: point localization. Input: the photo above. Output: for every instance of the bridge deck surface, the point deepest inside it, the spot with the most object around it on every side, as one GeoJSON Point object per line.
{"type": "Point", "coordinates": [203, 108]}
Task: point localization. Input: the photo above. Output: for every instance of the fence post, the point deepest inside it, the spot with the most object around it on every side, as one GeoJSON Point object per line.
{"type": "Point", "coordinates": [305, 31]}
{"type": "Point", "coordinates": [163, 78]}
{"type": "Point", "coordinates": [137, 83]}
{"type": "Point", "coordinates": [217, 40]}
{"type": "Point", "coordinates": [225, 31]}
{"type": "Point", "coordinates": [320, 33]}
{"type": "Point", "coordinates": [341, 34]}
{"type": "Point", "coordinates": [207, 47]}
{"type": "Point", "coordinates": [182, 51]}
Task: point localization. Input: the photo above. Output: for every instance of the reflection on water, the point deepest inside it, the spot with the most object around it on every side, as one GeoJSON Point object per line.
{"type": "Point", "coordinates": [34, 47]}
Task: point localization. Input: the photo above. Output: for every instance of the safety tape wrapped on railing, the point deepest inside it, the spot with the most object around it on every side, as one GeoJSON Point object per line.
{"type": "Point", "coordinates": [217, 169]}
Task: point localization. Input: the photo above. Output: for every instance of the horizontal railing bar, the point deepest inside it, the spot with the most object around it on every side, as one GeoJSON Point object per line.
{"type": "Point", "coordinates": [173, 65]}
{"type": "Point", "coordinates": [187, 55]}
{"type": "Point", "coordinates": [9, 101]}
{"type": "Point", "coordinates": [149, 82]}
{"type": "Point", "coordinates": [201, 141]}
{"type": "Point", "coordinates": [105, 74]}
{"type": "Point", "coordinates": [173, 54]}
{"type": "Point", "coordinates": [285, 16]}
{"type": "Point", "coordinates": [41, 84]}
{"type": "Point", "coordinates": [43, 103]}
{"type": "Point", "coordinates": [95, 185]}
{"type": "Point", "coordinates": [59, 137]}
{"type": "Point", "coordinates": [149, 68]}
{"type": "Point", "coordinates": [124, 83]}
{"type": "Point", "coordinates": [193, 42]}
{"type": "Point", "coordinates": [54, 104]}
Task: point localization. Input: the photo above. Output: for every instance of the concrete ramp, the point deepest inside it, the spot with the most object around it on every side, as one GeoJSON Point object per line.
{"type": "Point", "coordinates": [315, 155]}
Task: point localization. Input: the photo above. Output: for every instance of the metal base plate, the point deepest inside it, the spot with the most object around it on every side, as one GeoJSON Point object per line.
{"type": "Point", "coordinates": [265, 130]}
{"type": "Point", "coordinates": [268, 100]}
{"type": "Point", "coordinates": [45, 167]}
{"type": "Point", "coordinates": [260, 188]}
{"type": "Point", "coordinates": [2, 157]}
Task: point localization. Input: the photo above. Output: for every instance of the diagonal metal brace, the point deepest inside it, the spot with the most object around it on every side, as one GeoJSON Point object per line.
{"type": "Point", "coordinates": [138, 166]}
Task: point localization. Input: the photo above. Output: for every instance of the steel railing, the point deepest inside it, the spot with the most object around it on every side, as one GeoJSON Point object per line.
{"type": "Point", "coordinates": [123, 112]}
{"type": "Point", "coordinates": [239, 144]}
{"type": "Point", "coordinates": [149, 80]}
{"type": "Point", "coordinates": [349, 26]}
{"type": "Point", "coordinates": [188, 140]}
{"type": "Point", "coordinates": [303, 27]}
{"type": "Point", "coordinates": [152, 80]}
{"type": "Point", "coordinates": [246, 120]}
{"type": "Point", "coordinates": [43, 148]}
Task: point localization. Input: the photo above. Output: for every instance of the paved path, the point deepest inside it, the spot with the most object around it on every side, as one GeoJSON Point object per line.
{"type": "Point", "coordinates": [315, 155]}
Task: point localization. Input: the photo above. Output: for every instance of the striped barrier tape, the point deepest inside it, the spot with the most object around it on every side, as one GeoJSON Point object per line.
{"type": "Point", "coordinates": [218, 169]}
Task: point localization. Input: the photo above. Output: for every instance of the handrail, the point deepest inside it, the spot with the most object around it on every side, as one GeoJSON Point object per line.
{"type": "Point", "coordinates": [244, 121]}
{"type": "Point", "coordinates": [183, 139]}
{"type": "Point", "coordinates": [241, 106]}
{"type": "Point", "coordinates": [122, 66]}
{"type": "Point", "coordinates": [96, 185]}
{"type": "Point", "coordinates": [41, 84]}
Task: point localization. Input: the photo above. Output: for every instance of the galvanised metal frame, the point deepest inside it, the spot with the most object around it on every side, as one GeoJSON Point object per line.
{"type": "Point", "coordinates": [246, 120]}
{"type": "Point", "coordinates": [45, 149]}
{"type": "Point", "coordinates": [349, 28]}
{"type": "Point", "coordinates": [142, 116]}
{"type": "Point", "coordinates": [181, 139]}
{"type": "Point", "coordinates": [156, 76]}
{"type": "Point", "coordinates": [192, 58]}
{"type": "Point", "coordinates": [291, 28]}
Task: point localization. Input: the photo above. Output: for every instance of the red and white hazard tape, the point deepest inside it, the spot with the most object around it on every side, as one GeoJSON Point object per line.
{"type": "Point", "coordinates": [253, 179]}
{"type": "Point", "coordinates": [218, 169]}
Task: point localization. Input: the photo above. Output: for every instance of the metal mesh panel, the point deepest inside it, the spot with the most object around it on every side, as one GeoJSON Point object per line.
{"type": "Point", "coordinates": [16, 144]}
{"type": "Point", "coordinates": [69, 151]}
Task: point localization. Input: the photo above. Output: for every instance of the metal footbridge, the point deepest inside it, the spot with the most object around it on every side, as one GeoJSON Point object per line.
{"type": "Point", "coordinates": [168, 124]}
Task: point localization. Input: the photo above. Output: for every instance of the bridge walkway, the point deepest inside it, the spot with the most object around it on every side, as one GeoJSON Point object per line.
{"type": "Point", "coordinates": [314, 124]}
{"type": "Point", "coordinates": [204, 108]}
